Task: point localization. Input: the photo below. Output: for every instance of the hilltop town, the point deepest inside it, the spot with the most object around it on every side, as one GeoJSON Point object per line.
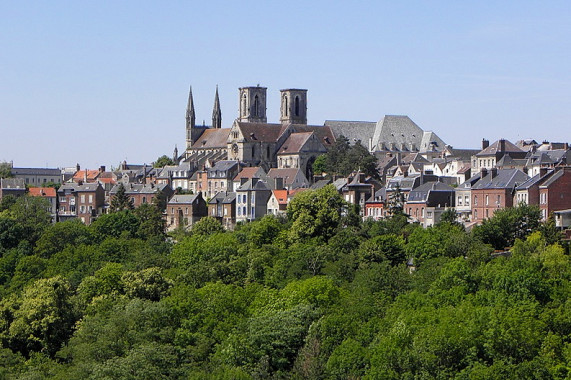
{"type": "Point", "coordinates": [242, 171]}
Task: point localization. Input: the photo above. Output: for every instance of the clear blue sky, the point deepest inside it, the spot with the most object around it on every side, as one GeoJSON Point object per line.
{"type": "Point", "coordinates": [102, 81]}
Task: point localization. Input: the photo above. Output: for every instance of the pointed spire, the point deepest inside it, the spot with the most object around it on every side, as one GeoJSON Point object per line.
{"type": "Point", "coordinates": [190, 115]}
{"type": "Point", "coordinates": [175, 155]}
{"type": "Point", "coordinates": [216, 112]}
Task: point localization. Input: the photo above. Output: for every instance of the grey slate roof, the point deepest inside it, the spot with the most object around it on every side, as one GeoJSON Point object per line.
{"type": "Point", "coordinates": [139, 188]}
{"type": "Point", "coordinates": [258, 186]}
{"type": "Point", "coordinates": [399, 130]}
{"type": "Point", "coordinates": [353, 130]}
{"type": "Point", "coordinates": [404, 183]}
{"type": "Point", "coordinates": [319, 184]}
{"type": "Point", "coordinates": [558, 174]}
{"type": "Point", "coordinates": [223, 197]}
{"type": "Point", "coordinates": [505, 179]}
{"type": "Point", "coordinates": [12, 183]}
{"type": "Point", "coordinates": [36, 171]}
{"type": "Point", "coordinates": [184, 198]}
{"type": "Point", "coordinates": [421, 193]}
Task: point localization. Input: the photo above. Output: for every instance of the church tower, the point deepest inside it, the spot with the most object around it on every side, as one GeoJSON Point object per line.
{"type": "Point", "coordinates": [216, 112]}
{"type": "Point", "coordinates": [190, 120]}
{"type": "Point", "coordinates": [293, 106]}
{"type": "Point", "coordinates": [253, 104]}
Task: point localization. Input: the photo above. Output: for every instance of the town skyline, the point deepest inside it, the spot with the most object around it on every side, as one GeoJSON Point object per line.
{"type": "Point", "coordinates": [97, 84]}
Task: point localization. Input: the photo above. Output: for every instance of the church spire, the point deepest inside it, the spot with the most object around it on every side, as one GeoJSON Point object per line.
{"type": "Point", "coordinates": [190, 119]}
{"type": "Point", "coordinates": [216, 112]}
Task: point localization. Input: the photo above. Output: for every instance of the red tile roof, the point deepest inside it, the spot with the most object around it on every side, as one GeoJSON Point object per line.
{"type": "Point", "coordinates": [294, 142]}
{"type": "Point", "coordinates": [91, 175]}
{"type": "Point", "coordinates": [42, 192]}
{"type": "Point", "coordinates": [281, 196]}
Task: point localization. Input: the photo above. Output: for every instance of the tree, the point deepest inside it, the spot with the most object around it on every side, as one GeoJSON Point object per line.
{"type": "Point", "coordinates": [57, 236]}
{"type": "Point", "coordinates": [160, 200]}
{"type": "Point", "coordinates": [151, 222]}
{"type": "Point", "coordinates": [207, 226]}
{"type": "Point", "coordinates": [33, 215]}
{"type": "Point", "coordinates": [115, 224]}
{"type": "Point", "coordinates": [5, 170]}
{"type": "Point", "coordinates": [396, 202]}
{"type": "Point", "coordinates": [121, 201]}
{"type": "Point", "coordinates": [45, 317]}
{"type": "Point", "coordinates": [449, 216]}
{"type": "Point", "coordinates": [344, 158]}
{"type": "Point", "coordinates": [320, 164]}
{"type": "Point", "coordinates": [163, 161]}
{"type": "Point", "coordinates": [315, 213]}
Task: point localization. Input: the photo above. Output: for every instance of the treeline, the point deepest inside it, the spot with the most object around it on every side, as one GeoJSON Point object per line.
{"type": "Point", "coordinates": [316, 295]}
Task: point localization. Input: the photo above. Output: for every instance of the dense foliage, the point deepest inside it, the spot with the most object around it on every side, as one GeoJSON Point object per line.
{"type": "Point", "coordinates": [343, 158]}
{"type": "Point", "coordinates": [315, 296]}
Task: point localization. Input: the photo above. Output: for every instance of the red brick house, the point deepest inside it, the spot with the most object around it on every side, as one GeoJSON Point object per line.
{"type": "Point", "coordinates": [83, 201]}
{"type": "Point", "coordinates": [555, 192]}
{"type": "Point", "coordinates": [142, 193]}
{"type": "Point", "coordinates": [428, 201]}
{"type": "Point", "coordinates": [185, 210]}
{"type": "Point", "coordinates": [48, 193]}
{"type": "Point", "coordinates": [495, 190]}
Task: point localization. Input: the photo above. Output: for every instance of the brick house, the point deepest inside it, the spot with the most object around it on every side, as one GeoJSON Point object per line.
{"type": "Point", "coordinates": [428, 201]}
{"type": "Point", "coordinates": [185, 210]}
{"type": "Point", "coordinates": [555, 192]}
{"type": "Point", "coordinates": [495, 190]}
{"type": "Point", "coordinates": [223, 207]}
{"type": "Point", "coordinates": [376, 205]}
{"type": "Point", "coordinates": [49, 194]}
{"type": "Point", "coordinates": [83, 201]}
{"type": "Point", "coordinates": [142, 193]}
{"type": "Point", "coordinates": [489, 156]}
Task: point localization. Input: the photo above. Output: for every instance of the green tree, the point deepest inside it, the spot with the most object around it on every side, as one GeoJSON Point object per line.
{"type": "Point", "coordinates": [207, 226]}
{"type": "Point", "coordinates": [121, 201]}
{"type": "Point", "coordinates": [11, 233]}
{"type": "Point", "coordinates": [315, 213]}
{"type": "Point", "coordinates": [160, 200]}
{"type": "Point", "coordinates": [5, 170]}
{"type": "Point", "coordinates": [59, 235]}
{"type": "Point", "coordinates": [320, 164]}
{"type": "Point", "coordinates": [163, 161]}
{"type": "Point", "coordinates": [115, 224]}
{"type": "Point", "coordinates": [45, 317]}
{"type": "Point", "coordinates": [147, 284]}
{"type": "Point", "coordinates": [32, 214]}
{"type": "Point", "coordinates": [151, 221]}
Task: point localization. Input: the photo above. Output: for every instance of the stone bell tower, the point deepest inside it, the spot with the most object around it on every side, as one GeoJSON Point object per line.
{"type": "Point", "coordinates": [253, 104]}
{"type": "Point", "coordinates": [293, 106]}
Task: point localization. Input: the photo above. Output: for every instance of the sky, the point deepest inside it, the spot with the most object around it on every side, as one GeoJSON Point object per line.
{"type": "Point", "coordinates": [100, 82]}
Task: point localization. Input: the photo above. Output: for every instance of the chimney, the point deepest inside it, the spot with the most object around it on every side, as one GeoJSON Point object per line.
{"type": "Point", "coordinates": [494, 172]}
{"type": "Point", "coordinates": [485, 143]}
{"type": "Point", "coordinates": [483, 172]}
{"type": "Point", "coordinates": [254, 181]}
{"type": "Point", "coordinates": [398, 158]}
{"type": "Point", "coordinates": [278, 183]}
{"type": "Point", "coordinates": [502, 145]}
{"type": "Point", "coordinates": [101, 168]}
{"type": "Point", "coordinates": [77, 167]}
{"type": "Point", "coordinates": [85, 176]}
{"type": "Point", "coordinates": [542, 172]}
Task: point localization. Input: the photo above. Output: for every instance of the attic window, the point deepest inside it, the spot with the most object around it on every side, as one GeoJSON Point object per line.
{"type": "Point", "coordinates": [285, 147]}
{"type": "Point", "coordinates": [252, 136]}
{"type": "Point", "coordinates": [203, 142]}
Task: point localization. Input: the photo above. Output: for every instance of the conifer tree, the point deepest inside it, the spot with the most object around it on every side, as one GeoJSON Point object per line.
{"type": "Point", "coordinates": [121, 201]}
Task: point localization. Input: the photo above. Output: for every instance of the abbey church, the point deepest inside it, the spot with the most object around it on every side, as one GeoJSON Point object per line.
{"type": "Point", "coordinates": [253, 141]}
{"type": "Point", "coordinates": [292, 143]}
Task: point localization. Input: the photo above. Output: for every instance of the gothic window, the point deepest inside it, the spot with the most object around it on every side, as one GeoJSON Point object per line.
{"type": "Point", "coordinates": [285, 105]}
{"type": "Point", "coordinates": [244, 103]}
{"type": "Point", "coordinates": [296, 106]}
{"type": "Point", "coordinates": [253, 151]}
{"type": "Point", "coordinates": [268, 152]}
{"type": "Point", "coordinates": [256, 106]}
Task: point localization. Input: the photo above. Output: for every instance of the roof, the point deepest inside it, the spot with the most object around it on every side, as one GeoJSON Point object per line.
{"type": "Point", "coordinates": [404, 183]}
{"type": "Point", "coordinates": [504, 179]}
{"type": "Point", "coordinates": [42, 192]}
{"type": "Point", "coordinates": [184, 198]}
{"type": "Point", "coordinates": [281, 196]}
{"type": "Point", "coordinates": [91, 174]}
{"type": "Point", "coordinates": [379, 196]}
{"type": "Point", "coordinates": [464, 154]}
{"type": "Point", "coordinates": [533, 181]}
{"type": "Point", "coordinates": [558, 174]}
{"type": "Point", "coordinates": [421, 193]}
{"type": "Point", "coordinates": [289, 174]}
{"type": "Point", "coordinates": [212, 138]}
{"type": "Point", "coordinates": [221, 167]}
{"type": "Point", "coordinates": [319, 184]}
{"type": "Point", "coordinates": [12, 183]}
{"type": "Point", "coordinates": [258, 186]}
{"type": "Point", "coordinates": [497, 148]}
{"type": "Point", "coordinates": [260, 132]}
{"type": "Point", "coordinates": [323, 134]}
{"type": "Point", "coordinates": [139, 188]}
{"type": "Point", "coordinates": [250, 172]}
{"type": "Point", "coordinates": [401, 130]}
{"type": "Point", "coordinates": [295, 142]}
{"type": "Point", "coordinates": [74, 187]}
{"type": "Point", "coordinates": [36, 171]}
{"type": "Point", "coordinates": [353, 130]}
{"type": "Point", "coordinates": [223, 197]}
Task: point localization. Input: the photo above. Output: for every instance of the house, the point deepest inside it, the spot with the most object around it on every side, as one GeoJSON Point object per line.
{"type": "Point", "coordinates": [185, 210]}
{"type": "Point", "coordinates": [428, 201]}
{"type": "Point", "coordinates": [528, 192]}
{"type": "Point", "coordinates": [87, 176]}
{"type": "Point", "coordinates": [494, 190]}
{"type": "Point", "coordinates": [38, 176]}
{"type": "Point", "coordinates": [142, 193]}
{"type": "Point", "coordinates": [252, 200]}
{"type": "Point", "coordinates": [489, 156]}
{"type": "Point", "coordinates": [248, 173]}
{"type": "Point", "coordinates": [300, 151]}
{"type": "Point", "coordinates": [555, 192]}
{"type": "Point", "coordinates": [291, 178]}
{"type": "Point", "coordinates": [277, 204]}
{"type": "Point", "coordinates": [50, 195]}
{"type": "Point", "coordinates": [220, 177]}
{"type": "Point", "coordinates": [376, 205]}
{"type": "Point", "coordinates": [222, 206]}
{"type": "Point", "coordinates": [83, 201]}
{"type": "Point", "coordinates": [562, 219]}
{"type": "Point", "coordinates": [15, 187]}
{"type": "Point", "coordinates": [357, 191]}
{"type": "Point", "coordinates": [464, 198]}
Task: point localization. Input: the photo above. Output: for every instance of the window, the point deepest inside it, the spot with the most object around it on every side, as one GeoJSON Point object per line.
{"type": "Point", "coordinates": [239, 211]}
{"type": "Point", "coordinates": [459, 200]}
{"type": "Point", "coordinates": [499, 199]}
{"type": "Point", "coordinates": [91, 198]}
{"type": "Point", "coordinates": [82, 198]}
{"type": "Point", "coordinates": [487, 214]}
{"type": "Point", "coordinates": [422, 213]}
{"type": "Point", "coordinates": [467, 200]}
{"type": "Point", "coordinates": [475, 214]}
{"type": "Point", "coordinates": [475, 200]}
{"type": "Point", "coordinates": [186, 210]}
{"type": "Point", "coordinates": [225, 211]}
{"type": "Point", "coordinates": [296, 106]}
{"type": "Point", "coordinates": [429, 214]}
{"type": "Point", "coordinates": [487, 199]}
{"type": "Point", "coordinates": [256, 106]}
{"type": "Point", "coordinates": [244, 210]}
